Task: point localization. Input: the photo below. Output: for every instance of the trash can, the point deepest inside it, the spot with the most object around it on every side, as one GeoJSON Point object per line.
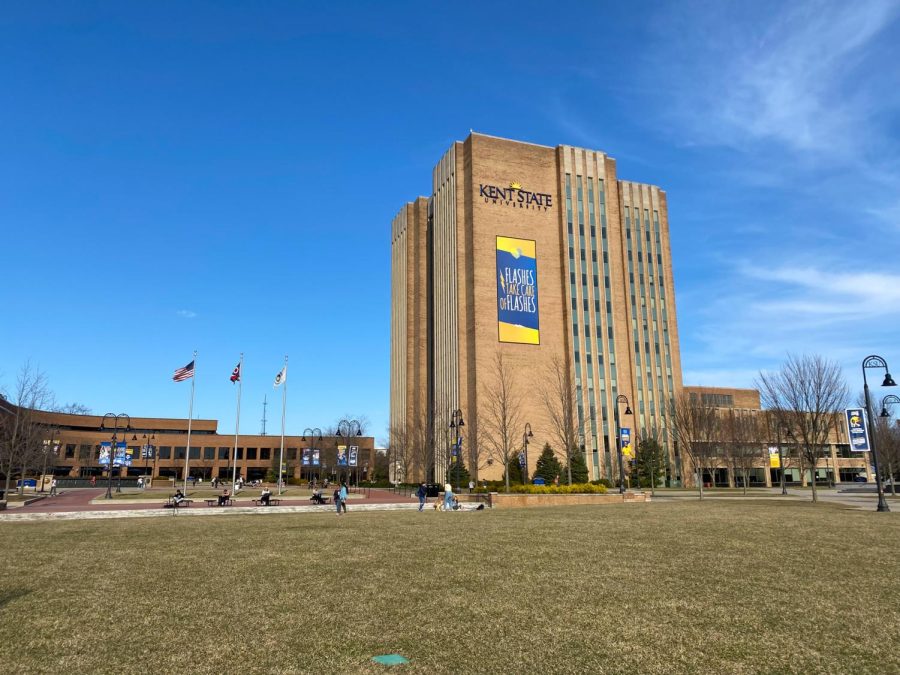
{"type": "Point", "coordinates": [433, 489]}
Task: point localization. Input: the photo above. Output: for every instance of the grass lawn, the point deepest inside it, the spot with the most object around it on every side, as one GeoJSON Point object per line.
{"type": "Point", "coordinates": [643, 588]}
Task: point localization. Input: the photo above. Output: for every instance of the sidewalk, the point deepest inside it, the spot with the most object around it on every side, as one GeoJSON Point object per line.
{"type": "Point", "coordinates": [77, 504]}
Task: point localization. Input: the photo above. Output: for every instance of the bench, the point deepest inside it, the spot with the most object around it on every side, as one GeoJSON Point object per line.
{"type": "Point", "coordinates": [215, 502]}
{"type": "Point", "coordinates": [323, 502]}
{"type": "Point", "coordinates": [272, 502]}
{"type": "Point", "coordinates": [170, 504]}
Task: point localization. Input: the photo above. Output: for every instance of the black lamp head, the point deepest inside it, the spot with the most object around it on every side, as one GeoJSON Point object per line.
{"type": "Point", "coordinates": [530, 433]}
{"type": "Point", "coordinates": [884, 411]}
{"type": "Point", "coordinates": [888, 381]}
{"type": "Point", "coordinates": [628, 410]}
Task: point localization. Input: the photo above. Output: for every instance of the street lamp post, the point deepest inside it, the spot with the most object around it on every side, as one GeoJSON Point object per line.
{"type": "Point", "coordinates": [875, 361]}
{"type": "Point", "coordinates": [48, 448]}
{"type": "Point", "coordinates": [780, 459]}
{"type": "Point", "coordinates": [890, 399]}
{"type": "Point", "coordinates": [621, 398]}
{"type": "Point", "coordinates": [345, 429]}
{"type": "Point", "coordinates": [457, 423]}
{"type": "Point", "coordinates": [112, 449]}
{"type": "Point", "coordinates": [316, 436]}
{"type": "Point", "coordinates": [525, 436]}
{"type": "Point", "coordinates": [148, 450]}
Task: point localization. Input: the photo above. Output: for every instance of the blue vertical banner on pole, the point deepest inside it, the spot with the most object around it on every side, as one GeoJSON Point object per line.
{"type": "Point", "coordinates": [858, 430]}
{"type": "Point", "coordinates": [105, 452]}
{"type": "Point", "coordinates": [354, 454]}
{"type": "Point", "coordinates": [625, 436]}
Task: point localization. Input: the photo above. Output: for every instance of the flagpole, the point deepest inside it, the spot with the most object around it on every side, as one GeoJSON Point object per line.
{"type": "Point", "coordinates": [283, 409]}
{"type": "Point", "coordinates": [237, 423]}
{"type": "Point", "coordinates": [187, 452]}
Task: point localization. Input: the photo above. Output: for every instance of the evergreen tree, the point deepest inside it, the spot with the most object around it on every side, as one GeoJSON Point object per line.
{"type": "Point", "coordinates": [462, 478]}
{"type": "Point", "coordinates": [515, 469]}
{"type": "Point", "coordinates": [548, 466]}
{"type": "Point", "coordinates": [650, 460]}
{"type": "Point", "coordinates": [579, 468]}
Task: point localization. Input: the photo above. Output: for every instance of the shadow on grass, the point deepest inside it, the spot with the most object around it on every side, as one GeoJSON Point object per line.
{"type": "Point", "coordinates": [14, 594]}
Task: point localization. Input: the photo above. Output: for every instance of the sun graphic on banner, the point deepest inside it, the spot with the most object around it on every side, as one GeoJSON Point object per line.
{"type": "Point", "coordinates": [515, 185]}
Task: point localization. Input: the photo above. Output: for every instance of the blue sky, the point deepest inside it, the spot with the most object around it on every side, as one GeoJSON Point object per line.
{"type": "Point", "coordinates": [222, 176]}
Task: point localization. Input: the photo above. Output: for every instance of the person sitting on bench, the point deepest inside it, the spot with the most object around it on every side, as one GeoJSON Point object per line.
{"type": "Point", "coordinates": [178, 498]}
{"type": "Point", "coordinates": [224, 497]}
{"type": "Point", "coordinates": [317, 497]}
{"type": "Point", "coordinates": [265, 497]}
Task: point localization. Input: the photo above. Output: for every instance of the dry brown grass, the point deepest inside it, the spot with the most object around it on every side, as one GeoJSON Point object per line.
{"type": "Point", "coordinates": [658, 588]}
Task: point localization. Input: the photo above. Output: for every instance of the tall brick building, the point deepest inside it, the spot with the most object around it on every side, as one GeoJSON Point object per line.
{"type": "Point", "coordinates": [542, 258]}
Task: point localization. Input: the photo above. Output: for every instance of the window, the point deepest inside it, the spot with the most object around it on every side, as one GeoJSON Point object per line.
{"type": "Point", "coordinates": [179, 451]}
{"type": "Point", "coordinates": [165, 452]}
{"type": "Point", "coordinates": [209, 453]}
{"type": "Point", "coordinates": [717, 400]}
{"type": "Point", "coordinates": [70, 451]}
{"type": "Point", "coordinates": [224, 453]}
{"type": "Point", "coordinates": [251, 453]}
{"type": "Point", "coordinates": [265, 453]}
{"type": "Point", "coordinates": [195, 452]}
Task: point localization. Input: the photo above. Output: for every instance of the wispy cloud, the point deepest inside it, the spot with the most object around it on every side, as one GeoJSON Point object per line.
{"type": "Point", "coordinates": [800, 75]}
{"type": "Point", "coordinates": [186, 313]}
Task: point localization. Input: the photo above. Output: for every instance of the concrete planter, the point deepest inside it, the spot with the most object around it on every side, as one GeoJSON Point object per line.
{"type": "Point", "coordinates": [502, 500]}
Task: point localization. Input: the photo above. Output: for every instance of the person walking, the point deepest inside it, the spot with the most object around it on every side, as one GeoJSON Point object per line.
{"type": "Point", "coordinates": [337, 500]}
{"type": "Point", "coordinates": [422, 494]}
{"type": "Point", "coordinates": [344, 496]}
{"type": "Point", "coordinates": [448, 497]}
{"type": "Point", "coordinates": [53, 487]}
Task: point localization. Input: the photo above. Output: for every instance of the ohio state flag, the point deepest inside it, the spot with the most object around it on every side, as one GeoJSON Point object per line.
{"type": "Point", "coordinates": [236, 373]}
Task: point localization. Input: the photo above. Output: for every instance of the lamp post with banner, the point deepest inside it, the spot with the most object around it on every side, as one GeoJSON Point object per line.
{"type": "Point", "coordinates": [114, 444]}
{"type": "Point", "coordinates": [50, 445]}
{"type": "Point", "coordinates": [525, 437]}
{"type": "Point", "coordinates": [621, 398]}
{"type": "Point", "coordinates": [872, 362]}
{"type": "Point", "coordinates": [456, 424]}
{"type": "Point", "coordinates": [347, 429]}
{"type": "Point", "coordinates": [148, 452]}
{"type": "Point", "coordinates": [315, 435]}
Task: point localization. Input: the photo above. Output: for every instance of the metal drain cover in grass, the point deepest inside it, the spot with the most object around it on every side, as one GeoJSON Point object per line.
{"type": "Point", "coordinates": [390, 659]}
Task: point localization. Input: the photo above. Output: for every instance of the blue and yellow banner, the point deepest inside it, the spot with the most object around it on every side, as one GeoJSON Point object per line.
{"type": "Point", "coordinates": [857, 430]}
{"type": "Point", "coordinates": [517, 292]}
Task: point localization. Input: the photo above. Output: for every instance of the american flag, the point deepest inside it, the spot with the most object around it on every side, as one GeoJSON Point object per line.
{"type": "Point", "coordinates": [185, 373]}
{"type": "Point", "coordinates": [236, 373]}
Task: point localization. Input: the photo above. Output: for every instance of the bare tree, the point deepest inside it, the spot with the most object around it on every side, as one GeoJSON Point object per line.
{"type": "Point", "coordinates": [560, 399]}
{"type": "Point", "coordinates": [810, 392]}
{"type": "Point", "coordinates": [501, 416]}
{"type": "Point", "coordinates": [743, 434]}
{"type": "Point", "coordinates": [400, 451]}
{"type": "Point", "coordinates": [72, 409]}
{"type": "Point", "coordinates": [777, 430]}
{"type": "Point", "coordinates": [21, 436]}
{"type": "Point", "coordinates": [695, 426]}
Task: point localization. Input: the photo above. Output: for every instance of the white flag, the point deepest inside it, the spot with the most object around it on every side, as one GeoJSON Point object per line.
{"type": "Point", "coordinates": [281, 377]}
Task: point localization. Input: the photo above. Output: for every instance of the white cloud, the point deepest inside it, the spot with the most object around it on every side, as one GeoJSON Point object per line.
{"type": "Point", "coordinates": [799, 75]}
{"type": "Point", "coordinates": [186, 313]}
